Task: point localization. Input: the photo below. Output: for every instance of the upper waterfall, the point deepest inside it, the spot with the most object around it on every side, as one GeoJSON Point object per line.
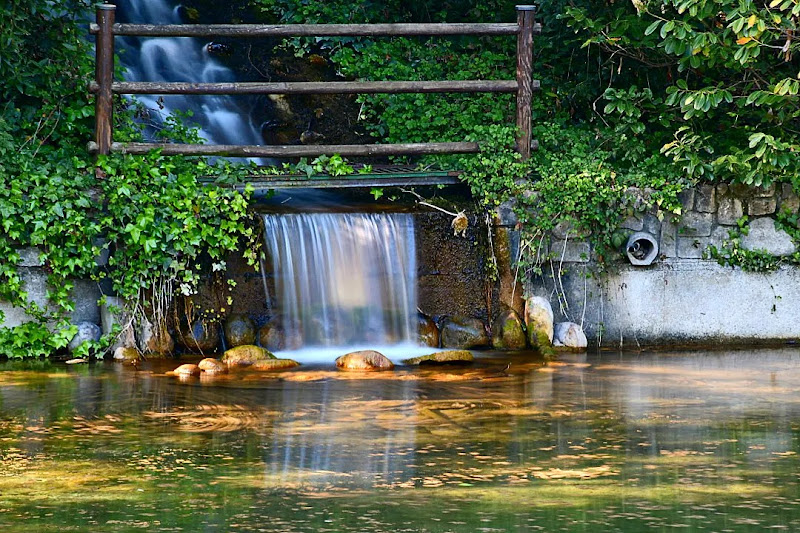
{"type": "Point", "coordinates": [222, 119]}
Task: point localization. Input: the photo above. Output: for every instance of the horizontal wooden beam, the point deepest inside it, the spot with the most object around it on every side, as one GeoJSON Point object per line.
{"type": "Point", "coordinates": [284, 151]}
{"type": "Point", "coordinates": [309, 30]}
{"type": "Point", "coordinates": [311, 87]}
{"type": "Point", "coordinates": [352, 181]}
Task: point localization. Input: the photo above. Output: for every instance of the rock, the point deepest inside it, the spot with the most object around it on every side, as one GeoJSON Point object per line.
{"type": "Point", "coordinates": [448, 356]}
{"type": "Point", "coordinates": [246, 355]}
{"type": "Point", "coordinates": [202, 337]}
{"type": "Point", "coordinates": [155, 339]}
{"type": "Point", "coordinates": [463, 332]}
{"type": "Point", "coordinates": [126, 354]}
{"type": "Point", "coordinates": [364, 360]}
{"type": "Point", "coordinates": [508, 331]}
{"type": "Point", "coordinates": [569, 335]}
{"type": "Point", "coordinates": [87, 331]}
{"type": "Point", "coordinates": [239, 330]}
{"type": "Point", "coordinates": [76, 361]}
{"type": "Point", "coordinates": [112, 313]}
{"type": "Point", "coordinates": [212, 366]}
{"type": "Point", "coordinates": [271, 336]}
{"type": "Point", "coordinates": [763, 235]}
{"type": "Point", "coordinates": [539, 321]}
{"type": "Point", "coordinates": [274, 364]}
{"type": "Point", "coordinates": [427, 332]}
{"type": "Point", "coordinates": [187, 370]}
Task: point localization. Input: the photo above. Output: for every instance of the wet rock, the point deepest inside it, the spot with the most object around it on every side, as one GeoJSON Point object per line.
{"type": "Point", "coordinates": [539, 321]}
{"type": "Point", "coordinates": [428, 333]}
{"type": "Point", "coordinates": [202, 337]}
{"type": "Point", "coordinates": [271, 337]}
{"type": "Point", "coordinates": [87, 331]}
{"type": "Point", "coordinates": [463, 332]}
{"type": "Point", "coordinates": [76, 361]}
{"type": "Point", "coordinates": [212, 366]}
{"type": "Point", "coordinates": [127, 355]}
{"type": "Point", "coordinates": [112, 313]}
{"type": "Point", "coordinates": [246, 355]}
{"type": "Point", "coordinates": [569, 335]}
{"type": "Point", "coordinates": [239, 330]}
{"type": "Point", "coordinates": [155, 339]}
{"type": "Point", "coordinates": [187, 370]}
{"type": "Point", "coordinates": [364, 360]}
{"type": "Point", "coordinates": [445, 357]}
{"type": "Point", "coordinates": [508, 331]}
{"type": "Point", "coordinates": [275, 364]}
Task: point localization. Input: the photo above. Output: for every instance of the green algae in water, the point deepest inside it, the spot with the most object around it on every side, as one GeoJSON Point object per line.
{"type": "Point", "coordinates": [700, 442]}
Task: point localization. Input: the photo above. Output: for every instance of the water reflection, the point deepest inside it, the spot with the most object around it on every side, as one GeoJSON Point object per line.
{"type": "Point", "coordinates": [620, 442]}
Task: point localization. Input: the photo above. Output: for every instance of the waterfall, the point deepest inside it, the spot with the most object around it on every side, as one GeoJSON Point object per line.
{"type": "Point", "coordinates": [343, 279]}
{"type": "Point", "coordinates": [221, 119]}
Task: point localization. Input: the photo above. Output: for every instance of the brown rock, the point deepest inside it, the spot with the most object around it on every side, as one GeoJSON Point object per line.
{"type": "Point", "coordinates": [212, 366]}
{"type": "Point", "coordinates": [246, 355]}
{"type": "Point", "coordinates": [508, 331]}
{"type": "Point", "coordinates": [446, 357]}
{"type": "Point", "coordinates": [239, 330]}
{"type": "Point", "coordinates": [274, 364]}
{"type": "Point", "coordinates": [187, 370]}
{"type": "Point", "coordinates": [364, 360]}
{"type": "Point", "coordinates": [428, 333]}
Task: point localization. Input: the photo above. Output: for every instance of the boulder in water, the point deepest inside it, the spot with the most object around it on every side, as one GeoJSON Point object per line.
{"type": "Point", "coordinates": [202, 337]}
{"type": "Point", "coordinates": [569, 335]}
{"type": "Point", "coordinates": [127, 355]}
{"type": "Point", "coordinates": [271, 336]}
{"type": "Point", "coordinates": [274, 364]}
{"type": "Point", "coordinates": [155, 339]}
{"type": "Point", "coordinates": [246, 355]}
{"type": "Point", "coordinates": [539, 321]}
{"type": "Point", "coordinates": [445, 357]}
{"type": "Point", "coordinates": [427, 332]}
{"type": "Point", "coordinates": [187, 370]}
{"type": "Point", "coordinates": [87, 332]}
{"type": "Point", "coordinates": [508, 331]}
{"type": "Point", "coordinates": [212, 366]}
{"type": "Point", "coordinates": [364, 360]}
{"type": "Point", "coordinates": [463, 332]}
{"type": "Point", "coordinates": [239, 330]}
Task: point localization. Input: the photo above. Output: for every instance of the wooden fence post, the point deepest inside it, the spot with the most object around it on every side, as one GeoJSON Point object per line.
{"type": "Point", "coordinates": [104, 74]}
{"type": "Point", "coordinates": [525, 19]}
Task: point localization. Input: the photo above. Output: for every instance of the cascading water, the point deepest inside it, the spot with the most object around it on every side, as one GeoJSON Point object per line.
{"type": "Point", "coordinates": [339, 280]}
{"type": "Point", "coordinates": [343, 279]}
{"type": "Point", "coordinates": [221, 119]}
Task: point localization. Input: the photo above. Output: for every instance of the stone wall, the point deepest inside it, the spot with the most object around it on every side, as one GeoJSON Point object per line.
{"type": "Point", "coordinates": [682, 298]}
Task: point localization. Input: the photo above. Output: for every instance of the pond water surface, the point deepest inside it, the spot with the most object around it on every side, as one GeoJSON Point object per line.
{"type": "Point", "coordinates": [610, 442]}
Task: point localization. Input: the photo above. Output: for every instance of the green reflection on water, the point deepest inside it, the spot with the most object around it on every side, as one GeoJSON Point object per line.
{"type": "Point", "coordinates": [693, 441]}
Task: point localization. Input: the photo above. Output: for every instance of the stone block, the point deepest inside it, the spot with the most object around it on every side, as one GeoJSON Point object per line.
{"type": "Point", "coordinates": [29, 257]}
{"type": "Point", "coordinates": [565, 230]}
{"type": "Point", "coordinates": [730, 210]}
{"type": "Point", "coordinates": [691, 247]}
{"type": "Point", "coordinates": [789, 199]}
{"type": "Point", "coordinates": [705, 199]}
{"type": "Point", "coordinates": [693, 224]}
{"type": "Point", "coordinates": [632, 223]}
{"type": "Point", "coordinates": [651, 224]}
{"type": "Point", "coordinates": [763, 235]}
{"type": "Point", "coordinates": [571, 251]}
{"type": "Point", "coordinates": [669, 239]}
{"type": "Point", "coordinates": [763, 192]}
{"type": "Point", "coordinates": [762, 206]}
{"type": "Point", "coordinates": [687, 199]}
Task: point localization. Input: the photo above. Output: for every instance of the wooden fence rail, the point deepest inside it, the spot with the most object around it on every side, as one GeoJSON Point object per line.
{"type": "Point", "coordinates": [104, 87]}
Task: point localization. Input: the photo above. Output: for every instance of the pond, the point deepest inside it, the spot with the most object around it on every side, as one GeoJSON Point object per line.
{"type": "Point", "coordinates": [695, 441]}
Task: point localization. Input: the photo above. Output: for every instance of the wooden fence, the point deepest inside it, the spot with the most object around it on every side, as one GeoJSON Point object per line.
{"type": "Point", "coordinates": [104, 86]}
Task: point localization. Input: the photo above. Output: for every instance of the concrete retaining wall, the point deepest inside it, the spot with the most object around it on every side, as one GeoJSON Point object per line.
{"type": "Point", "coordinates": [683, 298]}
